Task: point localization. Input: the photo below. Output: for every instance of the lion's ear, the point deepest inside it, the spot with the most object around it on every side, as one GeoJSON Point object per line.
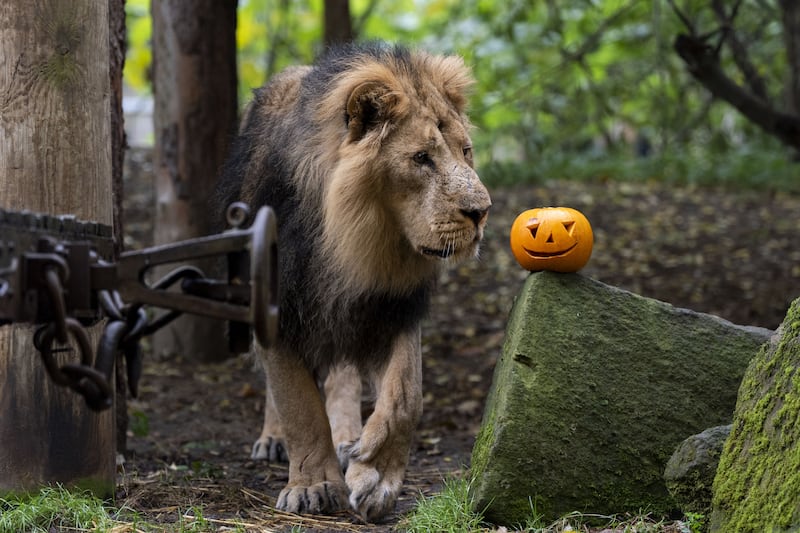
{"type": "Point", "coordinates": [456, 80]}
{"type": "Point", "coordinates": [372, 104]}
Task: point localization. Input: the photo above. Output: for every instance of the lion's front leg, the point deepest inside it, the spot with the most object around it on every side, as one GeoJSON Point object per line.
{"type": "Point", "coordinates": [316, 484]}
{"type": "Point", "coordinates": [378, 459]}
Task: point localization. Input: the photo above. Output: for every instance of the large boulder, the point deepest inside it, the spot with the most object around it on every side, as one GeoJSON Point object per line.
{"type": "Point", "coordinates": [595, 389]}
{"type": "Point", "coordinates": [757, 487]}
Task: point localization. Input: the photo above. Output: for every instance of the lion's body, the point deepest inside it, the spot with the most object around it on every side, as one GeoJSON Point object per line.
{"type": "Point", "coordinates": [365, 158]}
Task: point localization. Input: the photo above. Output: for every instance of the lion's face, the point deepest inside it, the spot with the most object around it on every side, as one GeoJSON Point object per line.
{"type": "Point", "coordinates": [402, 196]}
{"type": "Point", "coordinates": [433, 191]}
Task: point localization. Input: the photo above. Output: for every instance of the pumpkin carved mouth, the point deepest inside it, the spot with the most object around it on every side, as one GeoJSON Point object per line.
{"type": "Point", "coordinates": [539, 253]}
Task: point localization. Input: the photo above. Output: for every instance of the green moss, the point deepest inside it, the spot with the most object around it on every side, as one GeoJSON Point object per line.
{"type": "Point", "coordinates": [757, 487]}
{"type": "Point", "coordinates": [62, 31]}
{"type": "Point", "coordinates": [689, 474]}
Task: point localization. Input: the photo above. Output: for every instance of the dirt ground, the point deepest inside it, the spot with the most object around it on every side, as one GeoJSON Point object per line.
{"type": "Point", "coordinates": [732, 253]}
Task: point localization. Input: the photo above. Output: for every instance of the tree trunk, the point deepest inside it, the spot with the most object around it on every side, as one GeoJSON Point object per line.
{"type": "Point", "coordinates": [338, 23]}
{"type": "Point", "coordinates": [194, 80]}
{"type": "Point", "coordinates": [116, 36]}
{"type": "Point", "coordinates": [55, 157]}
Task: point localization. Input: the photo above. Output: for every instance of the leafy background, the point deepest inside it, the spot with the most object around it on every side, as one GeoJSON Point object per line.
{"type": "Point", "coordinates": [577, 89]}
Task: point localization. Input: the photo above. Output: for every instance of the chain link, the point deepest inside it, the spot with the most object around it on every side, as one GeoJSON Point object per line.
{"type": "Point", "coordinates": [121, 335]}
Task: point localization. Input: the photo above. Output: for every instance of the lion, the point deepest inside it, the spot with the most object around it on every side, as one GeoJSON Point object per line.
{"type": "Point", "coordinates": [366, 159]}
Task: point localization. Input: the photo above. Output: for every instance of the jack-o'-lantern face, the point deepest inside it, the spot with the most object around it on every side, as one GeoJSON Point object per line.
{"type": "Point", "coordinates": [552, 238]}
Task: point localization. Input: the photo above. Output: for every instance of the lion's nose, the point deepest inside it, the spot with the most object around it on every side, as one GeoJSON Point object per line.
{"type": "Point", "coordinates": [476, 215]}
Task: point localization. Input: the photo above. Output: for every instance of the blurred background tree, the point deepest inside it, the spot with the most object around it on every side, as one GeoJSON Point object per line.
{"type": "Point", "coordinates": [580, 89]}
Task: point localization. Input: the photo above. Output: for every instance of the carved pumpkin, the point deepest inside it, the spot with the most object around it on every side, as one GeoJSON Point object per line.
{"type": "Point", "coordinates": [552, 238]}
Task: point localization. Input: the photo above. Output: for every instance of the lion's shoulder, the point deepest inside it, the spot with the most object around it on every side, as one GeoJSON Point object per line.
{"type": "Point", "coordinates": [278, 96]}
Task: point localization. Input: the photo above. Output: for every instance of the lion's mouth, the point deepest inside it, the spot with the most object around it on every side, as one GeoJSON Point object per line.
{"type": "Point", "coordinates": [444, 253]}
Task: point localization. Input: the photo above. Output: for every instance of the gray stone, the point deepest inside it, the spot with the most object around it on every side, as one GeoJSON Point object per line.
{"type": "Point", "coordinates": [757, 487]}
{"type": "Point", "coordinates": [690, 471]}
{"type": "Point", "coordinates": [595, 388]}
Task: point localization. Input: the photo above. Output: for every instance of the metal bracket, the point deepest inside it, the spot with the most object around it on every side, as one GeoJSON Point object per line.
{"type": "Point", "coordinates": [249, 296]}
{"type": "Point", "coordinates": [63, 278]}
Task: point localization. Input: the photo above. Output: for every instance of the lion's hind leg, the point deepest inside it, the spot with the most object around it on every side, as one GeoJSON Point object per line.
{"type": "Point", "coordinates": [271, 444]}
{"type": "Point", "coordinates": [379, 458]}
{"type": "Point", "coordinates": [343, 405]}
{"type": "Point", "coordinates": [316, 484]}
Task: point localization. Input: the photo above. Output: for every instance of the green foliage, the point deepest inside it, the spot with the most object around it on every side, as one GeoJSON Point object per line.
{"type": "Point", "coordinates": [696, 522]}
{"type": "Point", "coordinates": [564, 89]}
{"type": "Point", "coordinates": [138, 423]}
{"type": "Point", "coordinates": [752, 166]}
{"type": "Point", "coordinates": [139, 55]}
{"type": "Point", "coordinates": [273, 34]}
{"type": "Point", "coordinates": [579, 77]}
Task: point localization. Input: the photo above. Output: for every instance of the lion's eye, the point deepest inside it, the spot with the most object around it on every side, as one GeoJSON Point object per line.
{"type": "Point", "coordinates": [422, 158]}
{"type": "Point", "coordinates": [467, 151]}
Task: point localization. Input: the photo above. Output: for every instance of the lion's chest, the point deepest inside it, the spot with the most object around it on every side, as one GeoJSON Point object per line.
{"type": "Point", "coordinates": [361, 332]}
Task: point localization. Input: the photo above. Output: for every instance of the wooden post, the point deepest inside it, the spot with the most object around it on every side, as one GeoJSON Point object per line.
{"type": "Point", "coordinates": [194, 82]}
{"type": "Point", "coordinates": [55, 158]}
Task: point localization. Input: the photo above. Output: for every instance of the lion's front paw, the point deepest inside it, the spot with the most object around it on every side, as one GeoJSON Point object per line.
{"type": "Point", "coordinates": [374, 487]}
{"type": "Point", "coordinates": [321, 498]}
{"type": "Point", "coordinates": [272, 449]}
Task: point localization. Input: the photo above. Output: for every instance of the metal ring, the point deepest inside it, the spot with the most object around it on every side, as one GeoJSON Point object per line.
{"type": "Point", "coordinates": [264, 276]}
{"type": "Point", "coordinates": [91, 384]}
{"type": "Point", "coordinates": [237, 214]}
{"type": "Point", "coordinates": [45, 338]}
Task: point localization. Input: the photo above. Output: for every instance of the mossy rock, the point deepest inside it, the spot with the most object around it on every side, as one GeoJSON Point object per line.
{"type": "Point", "coordinates": [690, 471]}
{"type": "Point", "coordinates": [595, 389]}
{"type": "Point", "coordinates": [757, 487]}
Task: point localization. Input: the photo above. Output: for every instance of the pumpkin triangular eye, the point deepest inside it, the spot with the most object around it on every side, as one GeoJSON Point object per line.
{"type": "Point", "coordinates": [533, 226]}
{"type": "Point", "coordinates": [569, 226]}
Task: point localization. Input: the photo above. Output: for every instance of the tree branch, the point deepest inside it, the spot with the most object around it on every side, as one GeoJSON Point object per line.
{"type": "Point", "coordinates": [681, 15]}
{"type": "Point", "coordinates": [703, 64]}
{"type": "Point", "coordinates": [739, 52]}
{"type": "Point", "coordinates": [790, 17]}
{"type": "Point", "coordinates": [591, 43]}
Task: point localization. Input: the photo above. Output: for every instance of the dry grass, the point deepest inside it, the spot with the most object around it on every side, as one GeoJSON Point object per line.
{"type": "Point", "coordinates": [179, 501]}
